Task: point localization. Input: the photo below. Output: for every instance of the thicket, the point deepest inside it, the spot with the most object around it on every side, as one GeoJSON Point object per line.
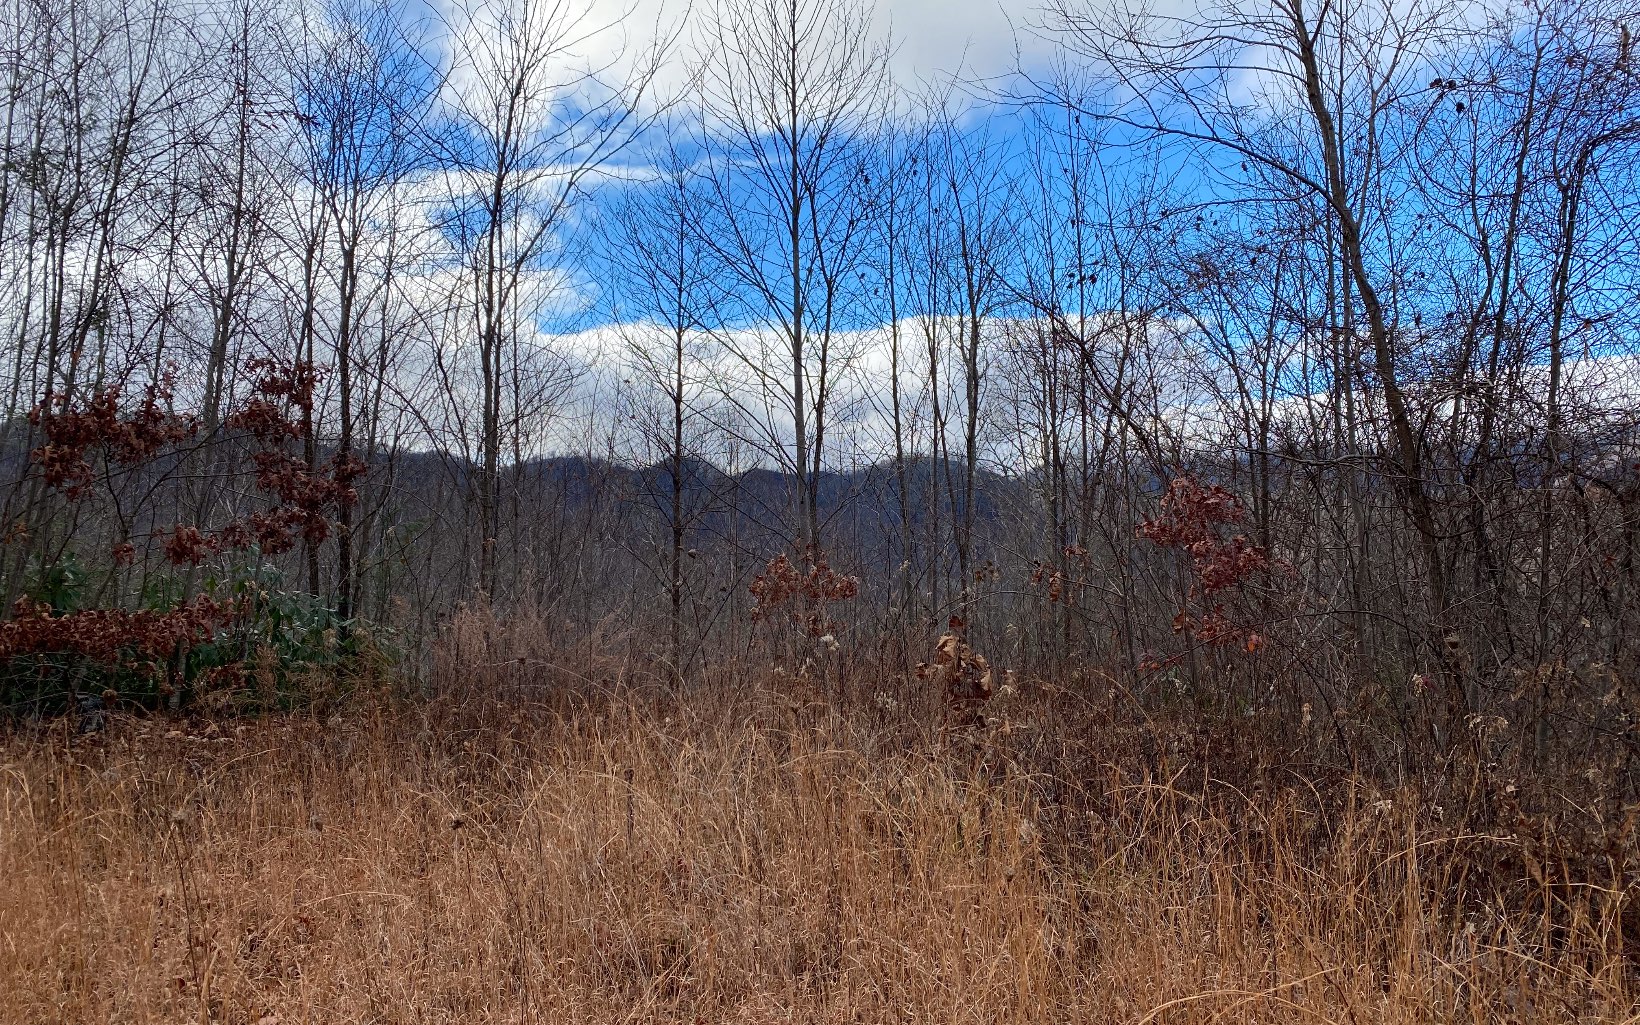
{"type": "Point", "coordinates": [562, 835]}
{"type": "Point", "coordinates": [214, 620]}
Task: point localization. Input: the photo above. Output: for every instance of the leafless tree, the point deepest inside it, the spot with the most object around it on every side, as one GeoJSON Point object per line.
{"type": "Point", "coordinates": [784, 116]}
{"type": "Point", "coordinates": [667, 314]}
{"type": "Point", "coordinates": [529, 119]}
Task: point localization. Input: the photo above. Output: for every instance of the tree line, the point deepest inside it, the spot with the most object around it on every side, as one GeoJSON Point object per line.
{"type": "Point", "coordinates": [1273, 357]}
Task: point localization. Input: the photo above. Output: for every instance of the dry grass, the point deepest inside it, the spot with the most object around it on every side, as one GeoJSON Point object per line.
{"type": "Point", "coordinates": [744, 858]}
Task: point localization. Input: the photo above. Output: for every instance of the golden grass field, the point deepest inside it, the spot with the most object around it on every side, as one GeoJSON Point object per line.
{"type": "Point", "coordinates": [742, 856]}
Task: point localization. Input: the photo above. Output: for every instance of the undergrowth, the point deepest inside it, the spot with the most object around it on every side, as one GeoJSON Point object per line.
{"type": "Point", "coordinates": [575, 846]}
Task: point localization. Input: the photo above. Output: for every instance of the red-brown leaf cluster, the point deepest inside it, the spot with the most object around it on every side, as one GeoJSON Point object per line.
{"type": "Point", "coordinates": [187, 546]}
{"type": "Point", "coordinates": [306, 497]}
{"type": "Point", "coordinates": [1190, 519]}
{"type": "Point", "coordinates": [801, 593]}
{"type": "Point", "coordinates": [263, 419]}
{"type": "Point", "coordinates": [282, 395]}
{"type": "Point", "coordinates": [1062, 586]}
{"type": "Point", "coordinates": [111, 637]}
{"type": "Point", "coordinates": [72, 431]}
{"type": "Point", "coordinates": [292, 383]}
{"type": "Point", "coordinates": [963, 674]}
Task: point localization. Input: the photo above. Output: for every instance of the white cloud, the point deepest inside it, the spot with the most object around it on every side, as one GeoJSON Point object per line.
{"type": "Point", "coordinates": [978, 38]}
{"type": "Point", "coordinates": [933, 39]}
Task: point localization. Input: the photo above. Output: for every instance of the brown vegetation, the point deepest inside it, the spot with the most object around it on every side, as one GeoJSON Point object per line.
{"type": "Point", "coordinates": [746, 852]}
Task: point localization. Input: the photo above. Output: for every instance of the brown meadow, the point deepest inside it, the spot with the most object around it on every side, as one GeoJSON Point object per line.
{"type": "Point", "coordinates": [738, 854]}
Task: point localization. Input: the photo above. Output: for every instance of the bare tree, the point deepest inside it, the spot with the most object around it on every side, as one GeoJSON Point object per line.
{"type": "Point", "coordinates": [667, 309]}
{"type": "Point", "coordinates": [361, 97]}
{"type": "Point", "coordinates": [530, 118]}
{"type": "Point", "coordinates": [1325, 124]}
{"type": "Point", "coordinates": [784, 115]}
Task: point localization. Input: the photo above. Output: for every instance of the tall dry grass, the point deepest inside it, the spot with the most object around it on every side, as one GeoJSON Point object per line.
{"type": "Point", "coordinates": [741, 855]}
